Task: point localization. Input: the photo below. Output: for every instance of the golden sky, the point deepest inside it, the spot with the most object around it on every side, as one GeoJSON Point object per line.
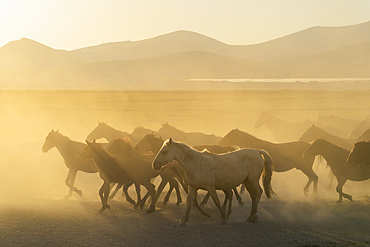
{"type": "Point", "coordinates": [72, 24]}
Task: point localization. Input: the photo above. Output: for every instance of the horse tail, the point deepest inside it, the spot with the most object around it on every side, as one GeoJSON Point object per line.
{"type": "Point", "coordinates": [267, 174]}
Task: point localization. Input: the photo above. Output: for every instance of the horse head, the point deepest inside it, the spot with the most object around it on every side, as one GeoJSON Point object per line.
{"type": "Point", "coordinates": [148, 143]}
{"type": "Point", "coordinates": [165, 155]}
{"type": "Point", "coordinates": [50, 141]}
{"type": "Point", "coordinates": [359, 154]}
{"type": "Point", "coordinates": [88, 151]}
{"type": "Point", "coordinates": [262, 119]}
{"type": "Point", "coordinates": [98, 132]}
{"type": "Point", "coordinates": [120, 146]}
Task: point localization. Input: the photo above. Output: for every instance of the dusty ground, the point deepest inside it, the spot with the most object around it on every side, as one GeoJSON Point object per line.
{"type": "Point", "coordinates": [33, 212]}
{"type": "Point", "coordinates": [46, 222]}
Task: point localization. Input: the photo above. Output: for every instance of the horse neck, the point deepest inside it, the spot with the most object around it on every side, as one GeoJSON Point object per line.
{"type": "Point", "coordinates": [254, 142]}
{"type": "Point", "coordinates": [331, 153]}
{"type": "Point", "coordinates": [187, 158]}
{"type": "Point", "coordinates": [68, 148]}
{"type": "Point", "coordinates": [102, 158]}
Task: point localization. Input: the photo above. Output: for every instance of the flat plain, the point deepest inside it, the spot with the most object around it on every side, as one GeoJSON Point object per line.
{"type": "Point", "coordinates": [33, 212]}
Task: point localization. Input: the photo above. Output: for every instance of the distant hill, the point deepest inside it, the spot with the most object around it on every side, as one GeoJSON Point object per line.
{"type": "Point", "coordinates": [26, 54]}
{"type": "Point", "coordinates": [304, 43]}
{"type": "Point", "coordinates": [168, 61]}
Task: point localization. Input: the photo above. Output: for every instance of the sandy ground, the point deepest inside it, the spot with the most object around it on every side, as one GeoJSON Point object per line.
{"type": "Point", "coordinates": [75, 222]}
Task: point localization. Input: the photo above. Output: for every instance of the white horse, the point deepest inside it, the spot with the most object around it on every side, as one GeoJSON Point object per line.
{"type": "Point", "coordinates": [213, 172]}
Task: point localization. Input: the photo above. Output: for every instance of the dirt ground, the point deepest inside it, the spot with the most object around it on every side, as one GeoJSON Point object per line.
{"type": "Point", "coordinates": [33, 212]}
{"type": "Point", "coordinates": [75, 222]}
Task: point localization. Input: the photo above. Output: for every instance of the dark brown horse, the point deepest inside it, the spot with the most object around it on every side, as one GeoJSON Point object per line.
{"type": "Point", "coordinates": [150, 143]}
{"type": "Point", "coordinates": [122, 147]}
{"type": "Point", "coordinates": [114, 169]}
{"type": "Point", "coordinates": [336, 158]}
{"type": "Point", "coordinates": [285, 156]}
{"type": "Point", "coordinates": [70, 150]}
{"type": "Point", "coordinates": [359, 155]}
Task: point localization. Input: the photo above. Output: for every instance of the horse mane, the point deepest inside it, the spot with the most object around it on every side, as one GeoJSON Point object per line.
{"type": "Point", "coordinates": [189, 152]}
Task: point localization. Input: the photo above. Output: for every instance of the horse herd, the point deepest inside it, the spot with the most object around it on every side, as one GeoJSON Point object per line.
{"type": "Point", "coordinates": [198, 161]}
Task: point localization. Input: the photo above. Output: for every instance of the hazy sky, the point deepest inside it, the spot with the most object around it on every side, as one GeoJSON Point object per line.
{"type": "Point", "coordinates": [72, 24]}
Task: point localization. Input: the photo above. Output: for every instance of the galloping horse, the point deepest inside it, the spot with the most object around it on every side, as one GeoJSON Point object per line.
{"type": "Point", "coordinates": [282, 130]}
{"type": "Point", "coordinates": [150, 143]}
{"type": "Point", "coordinates": [286, 156]}
{"type": "Point", "coordinates": [103, 130]}
{"type": "Point", "coordinates": [70, 150]}
{"type": "Point", "coordinates": [336, 158]}
{"type": "Point", "coordinates": [209, 171]}
{"type": "Point", "coordinates": [314, 132]}
{"type": "Point", "coordinates": [119, 170]}
{"type": "Point", "coordinates": [122, 147]}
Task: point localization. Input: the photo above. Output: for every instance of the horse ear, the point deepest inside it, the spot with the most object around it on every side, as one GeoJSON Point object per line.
{"type": "Point", "coordinates": [170, 141]}
{"type": "Point", "coordinates": [57, 131]}
{"type": "Point", "coordinates": [94, 141]}
{"type": "Point", "coordinates": [87, 142]}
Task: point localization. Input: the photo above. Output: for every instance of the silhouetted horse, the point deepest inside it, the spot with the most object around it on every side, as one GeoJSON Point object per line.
{"type": "Point", "coordinates": [286, 156]}
{"type": "Point", "coordinates": [282, 130]}
{"type": "Point", "coordinates": [114, 169]}
{"type": "Point", "coordinates": [150, 143]}
{"type": "Point", "coordinates": [70, 150]}
{"type": "Point", "coordinates": [122, 147]}
{"type": "Point", "coordinates": [213, 172]}
{"type": "Point", "coordinates": [190, 138]}
{"type": "Point", "coordinates": [313, 133]}
{"type": "Point", "coordinates": [336, 158]}
{"type": "Point", "coordinates": [103, 130]}
{"type": "Point", "coordinates": [359, 155]}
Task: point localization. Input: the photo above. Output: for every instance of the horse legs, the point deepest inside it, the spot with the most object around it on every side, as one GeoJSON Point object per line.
{"type": "Point", "coordinates": [255, 192]}
{"type": "Point", "coordinates": [213, 193]}
{"type": "Point", "coordinates": [312, 177]}
{"type": "Point", "coordinates": [229, 198]}
{"type": "Point", "coordinates": [125, 191]}
{"type": "Point", "coordinates": [151, 190]}
{"type": "Point", "coordinates": [103, 193]}
{"type": "Point", "coordinates": [70, 180]}
{"type": "Point", "coordinates": [161, 187]}
{"type": "Point", "coordinates": [238, 197]}
{"type": "Point", "coordinates": [205, 199]}
{"type": "Point", "coordinates": [113, 194]}
{"type": "Point", "coordinates": [192, 193]}
{"type": "Point", "coordinates": [173, 185]}
{"type": "Point", "coordinates": [339, 188]}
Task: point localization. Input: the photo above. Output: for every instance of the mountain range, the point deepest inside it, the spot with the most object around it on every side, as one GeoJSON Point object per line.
{"type": "Point", "coordinates": [168, 61]}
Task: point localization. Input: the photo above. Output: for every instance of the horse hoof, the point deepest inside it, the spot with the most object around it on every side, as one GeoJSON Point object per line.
{"type": "Point", "coordinates": [224, 222]}
{"type": "Point", "coordinates": [101, 210]}
{"type": "Point", "coordinates": [79, 192]}
{"type": "Point", "coordinates": [252, 219]}
{"type": "Point", "coordinates": [178, 203]}
{"type": "Point", "coordinates": [131, 201]}
{"type": "Point", "coordinates": [182, 224]}
{"type": "Point", "coordinates": [350, 198]}
{"type": "Point", "coordinates": [150, 210]}
{"type": "Point", "coordinates": [108, 206]}
{"type": "Point", "coordinates": [67, 197]}
{"type": "Point", "coordinates": [164, 203]}
{"type": "Point", "coordinates": [338, 202]}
